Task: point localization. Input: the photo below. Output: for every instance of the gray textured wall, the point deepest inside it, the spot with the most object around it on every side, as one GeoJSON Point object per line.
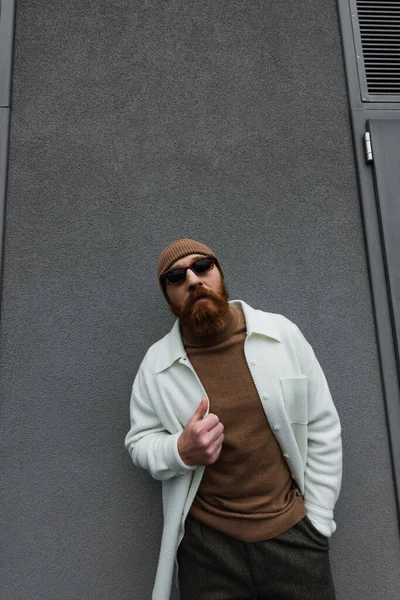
{"type": "Point", "coordinates": [135, 123]}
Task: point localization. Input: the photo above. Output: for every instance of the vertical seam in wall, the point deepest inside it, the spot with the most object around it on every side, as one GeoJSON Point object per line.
{"type": "Point", "coordinates": [7, 21]}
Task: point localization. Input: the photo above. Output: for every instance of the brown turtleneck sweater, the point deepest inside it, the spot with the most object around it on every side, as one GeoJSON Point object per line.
{"type": "Point", "coordinates": [248, 493]}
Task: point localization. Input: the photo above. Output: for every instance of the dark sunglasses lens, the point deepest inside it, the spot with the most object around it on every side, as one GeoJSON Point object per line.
{"type": "Point", "coordinates": [175, 276]}
{"type": "Point", "coordinates": [202, 265]}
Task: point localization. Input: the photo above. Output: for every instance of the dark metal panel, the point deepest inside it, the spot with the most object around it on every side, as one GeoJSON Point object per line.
{"type": "Point", "coordinates": [360, 112]}
{"type": "Point", "coordinates": [7, 13]}
{"type": "Point", "coordinates": [379, 290]}
{"type": "Point", "coordinates": [385, 138]}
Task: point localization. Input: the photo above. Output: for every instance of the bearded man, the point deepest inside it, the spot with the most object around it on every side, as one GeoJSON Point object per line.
{"type": "Point", "coordinates": [232, 412]}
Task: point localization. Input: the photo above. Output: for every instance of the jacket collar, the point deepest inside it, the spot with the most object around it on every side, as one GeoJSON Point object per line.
{"type": "Point", "coordinates": [171, 347]}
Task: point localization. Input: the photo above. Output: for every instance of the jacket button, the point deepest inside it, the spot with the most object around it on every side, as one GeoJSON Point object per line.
{"type": "Point", "coordinates": [253, 363]}
{"type": "Point", "coordinates": [276, 427]}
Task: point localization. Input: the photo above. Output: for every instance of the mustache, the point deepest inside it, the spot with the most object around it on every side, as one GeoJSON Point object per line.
{"type": "Point", "coordinates": [201, 293]}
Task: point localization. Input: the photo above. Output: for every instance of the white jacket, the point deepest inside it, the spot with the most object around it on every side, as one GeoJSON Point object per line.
{"type": "Point", "coordinates": [296, 400]}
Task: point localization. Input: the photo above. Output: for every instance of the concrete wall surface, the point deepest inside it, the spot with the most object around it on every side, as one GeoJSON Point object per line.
{"type": "Point", "coordinates": [135, 123]}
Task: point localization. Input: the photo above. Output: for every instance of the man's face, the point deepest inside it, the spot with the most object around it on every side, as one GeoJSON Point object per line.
{"type": "Point", "coordinates": [201, 301]}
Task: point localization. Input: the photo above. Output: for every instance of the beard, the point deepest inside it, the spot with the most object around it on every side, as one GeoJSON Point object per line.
{"type": "Point", "coordinates": [204, 318]}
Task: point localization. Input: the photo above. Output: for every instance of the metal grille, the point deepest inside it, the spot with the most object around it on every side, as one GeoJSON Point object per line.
{"type": "Point", "coordinates": [379, 25]}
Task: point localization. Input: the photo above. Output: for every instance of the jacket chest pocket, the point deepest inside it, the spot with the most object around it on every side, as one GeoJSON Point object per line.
{"type": "Point", "coordinates": [295, 398]}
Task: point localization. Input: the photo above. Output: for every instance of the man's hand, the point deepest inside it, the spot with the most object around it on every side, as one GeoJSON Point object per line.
{"type": "Point", "coordinates": [200, 442]}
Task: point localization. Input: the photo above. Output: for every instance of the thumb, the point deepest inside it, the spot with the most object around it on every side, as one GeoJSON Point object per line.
{"type": "Point", "coordinates": [200, 410]}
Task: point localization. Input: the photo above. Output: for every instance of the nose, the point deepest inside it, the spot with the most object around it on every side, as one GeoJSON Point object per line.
{"type": "Point", "coordinates": [192, 280]}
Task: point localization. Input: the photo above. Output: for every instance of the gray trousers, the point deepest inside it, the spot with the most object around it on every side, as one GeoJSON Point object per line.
{"type": "Point", "coordinates": [292, 566]}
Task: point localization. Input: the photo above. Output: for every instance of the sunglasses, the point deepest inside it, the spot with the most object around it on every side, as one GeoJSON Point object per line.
{"type": "Point", "coordinates": [199, 266]}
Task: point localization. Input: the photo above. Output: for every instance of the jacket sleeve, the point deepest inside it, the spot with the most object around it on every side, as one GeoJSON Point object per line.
{"type": "Point", "coordinates": [323, 469]}
{"type": "Point", "coordinates": [150, 445]}
{"type": "Point", "coordinates": [323, 472]}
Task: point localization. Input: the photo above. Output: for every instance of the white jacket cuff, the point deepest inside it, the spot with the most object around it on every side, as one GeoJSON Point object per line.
{"type": "Point", "coordinates": [176, 461]}
{"type": "Point", "coordinates": [321, 518]}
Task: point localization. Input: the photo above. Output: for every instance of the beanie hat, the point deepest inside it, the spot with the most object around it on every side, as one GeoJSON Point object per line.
{"type": "Point", "coordinates": [177, 250]}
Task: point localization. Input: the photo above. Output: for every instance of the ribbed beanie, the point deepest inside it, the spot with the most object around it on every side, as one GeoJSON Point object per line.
{"type": "Point", "coordinates": [179, 249]}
